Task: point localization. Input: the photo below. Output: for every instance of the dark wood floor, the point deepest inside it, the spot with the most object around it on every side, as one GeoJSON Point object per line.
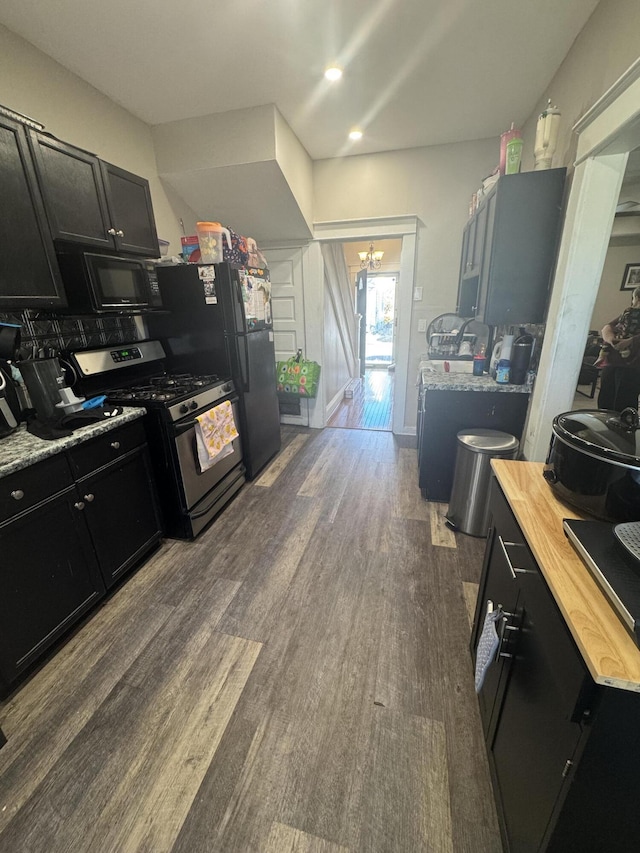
{"type": "Point", "coordinates": [297, 679]}
{"type": "Point", "coordinates": [371, 405]}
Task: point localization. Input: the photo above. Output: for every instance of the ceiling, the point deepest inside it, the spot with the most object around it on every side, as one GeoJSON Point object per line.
{"type": "Point", "coordinates": [416, 72]}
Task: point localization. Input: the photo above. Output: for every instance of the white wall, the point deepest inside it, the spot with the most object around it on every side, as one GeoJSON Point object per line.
{"type": "Point", "coordinates": [335, 368]}
{"type": "Point", "coordinates": [433, 183]}
{"type": "Point", "coordinates": [607, 45]}
{"type": "Point", "coordinates": [33, 84]}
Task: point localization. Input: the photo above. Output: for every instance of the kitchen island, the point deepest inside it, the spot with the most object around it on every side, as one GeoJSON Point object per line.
{"type": "Point", "coordinates": [76, 513]}
{"type": "Point", "coordinates": [560, 701]}
{"type": "Point", "coordinates": [451, 402]}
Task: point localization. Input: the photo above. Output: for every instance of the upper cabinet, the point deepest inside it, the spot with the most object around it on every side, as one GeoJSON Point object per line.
{"type": "Point", "coordinates": [91, 202]}
{"type": "Point", "coordinates": [509, 249]}
{"type": "Point", "coordinates": [29, 276]}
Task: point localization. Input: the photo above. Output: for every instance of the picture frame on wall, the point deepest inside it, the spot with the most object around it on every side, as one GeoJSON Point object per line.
{"type": "Point", "coordinates": [631, 277]}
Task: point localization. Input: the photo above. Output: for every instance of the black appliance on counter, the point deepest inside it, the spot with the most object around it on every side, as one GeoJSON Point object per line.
{"type": "Point", "coordinates": [593, 462]}
{"type": "Point", "coordinates": [219, 321]}
{"type": "Point", "coordinates": [96, 283]}
{"type": "Point", "coordinates": [614, 565]}
{"type": "Point", "coordinates": [135, 375]}
{"type": "Point", "coordinates": [9, 406]}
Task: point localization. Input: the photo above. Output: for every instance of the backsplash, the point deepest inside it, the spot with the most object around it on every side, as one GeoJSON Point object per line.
{"type": "Point", "coordinates": [44, 330]}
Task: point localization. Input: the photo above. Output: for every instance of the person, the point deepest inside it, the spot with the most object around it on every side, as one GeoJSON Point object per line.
{"type": "Point", "coordinates": [620, 359]}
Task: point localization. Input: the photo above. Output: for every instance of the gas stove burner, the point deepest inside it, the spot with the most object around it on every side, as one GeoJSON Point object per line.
{"type": "Point", "coordinates": [206, 379]}
{"type": "Point", "coordinates": [164, 389]}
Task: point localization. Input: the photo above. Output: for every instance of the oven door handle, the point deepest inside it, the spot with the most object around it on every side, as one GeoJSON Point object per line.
{"type": "Point", "coordinates": [183, 426]}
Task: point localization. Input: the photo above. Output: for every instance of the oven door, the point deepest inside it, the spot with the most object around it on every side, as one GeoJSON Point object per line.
{"type": "Point", "coordinates": [196, 483]}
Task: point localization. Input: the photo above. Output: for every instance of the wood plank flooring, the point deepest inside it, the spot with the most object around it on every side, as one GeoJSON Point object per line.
{"type": "Point", "coordinates": [371, 405]}
{"type": "Point", "coordinates": [296, 679]}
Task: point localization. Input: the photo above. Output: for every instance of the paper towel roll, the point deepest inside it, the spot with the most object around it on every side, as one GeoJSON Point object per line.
{"type": "Point", "coordinates": [505, 349]}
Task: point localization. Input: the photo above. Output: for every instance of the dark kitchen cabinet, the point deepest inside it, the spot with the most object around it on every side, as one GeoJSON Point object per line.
{"type": "Point", "coordinates": [442, 413]}
{"type": "Point", "coordinates": [29, 275]}
{"type": "Point", "coordinates": [563, 751]}
{"type": "Point", "coordinates": [49, 574]}
{"type": "Point", "coordinates": [119, 502]}
{"type": "Point", "coordinates": [70, 526]}
{"type": "Point", "coordinates": [93, 203]}
{"type": "Point", "coordinates": [509, 249]}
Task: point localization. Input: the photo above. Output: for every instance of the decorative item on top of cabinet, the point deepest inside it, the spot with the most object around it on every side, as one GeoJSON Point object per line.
{"type": "Point", "coordinates": [509, 249]}
{"type": "Point", "coordinates": [93, 203]}
{"type": "Point", "coordinates": [29, 275]}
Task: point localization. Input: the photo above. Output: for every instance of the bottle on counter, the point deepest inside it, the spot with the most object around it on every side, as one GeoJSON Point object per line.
{"type": "Point", "coordinates": [479, 360]}
{"type": "Point", "coordinates": [520, 358]}
{"type": "Point", "coordinates": [502, 371]}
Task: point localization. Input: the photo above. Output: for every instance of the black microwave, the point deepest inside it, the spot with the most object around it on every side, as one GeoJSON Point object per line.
{"type": "Point", "coordinates": [96, 283]}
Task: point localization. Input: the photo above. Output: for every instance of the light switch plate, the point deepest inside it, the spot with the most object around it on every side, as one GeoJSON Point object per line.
{"type": "Point", "coordinates": [417, 294]}
{"type": "Point", "coordinates": [422, 325]}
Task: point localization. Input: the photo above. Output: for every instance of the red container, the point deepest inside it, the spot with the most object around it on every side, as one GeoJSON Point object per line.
{"type": "Point", "coordinates": [190, 249]}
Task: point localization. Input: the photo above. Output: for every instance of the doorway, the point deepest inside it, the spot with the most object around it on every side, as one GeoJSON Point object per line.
{"type": "Point", "coordinates": [606, 134]}
{"type": "Point", "coordinates": [380, 320]}
{"type": "Point", "coordinates": [369, 397]}
{"type": "Point", "coordinates": [403, 230]}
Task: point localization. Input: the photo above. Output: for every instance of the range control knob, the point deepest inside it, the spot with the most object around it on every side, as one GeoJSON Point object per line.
{"type": "Point", "coordinates": [183, 409]}
{"type": "Point", "coordinates": [193, 405]}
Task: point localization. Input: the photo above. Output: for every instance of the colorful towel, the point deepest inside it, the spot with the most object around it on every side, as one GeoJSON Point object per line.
{"type": "Point", "coordinates": [215, 430]}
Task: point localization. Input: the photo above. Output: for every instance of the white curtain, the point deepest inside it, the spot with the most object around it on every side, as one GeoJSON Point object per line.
{"type": "Point", "coordinates": [340, 292]}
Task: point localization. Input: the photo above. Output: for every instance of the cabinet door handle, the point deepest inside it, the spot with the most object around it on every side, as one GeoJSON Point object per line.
{"type": "Point", "coordinates": [17, 494]}
{"type": "Point", "coordinates": [506, 627]}
{"type": "Point", "coordinates": [115, 445]}
{"type": "Point", "coordinates": [514, 571]}
{"type": "Point", "coordinates": [111, 231]}
{"type": "Point", "coordinates": [89, 497]}
{"type": "Point", "coordinates": [119, 233]}
{"type": "Point", "coordinates": [79, 505]}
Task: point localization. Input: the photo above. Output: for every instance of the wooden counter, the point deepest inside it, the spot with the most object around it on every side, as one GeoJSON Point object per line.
{"type": "Point", "coordinates": [607, 648]}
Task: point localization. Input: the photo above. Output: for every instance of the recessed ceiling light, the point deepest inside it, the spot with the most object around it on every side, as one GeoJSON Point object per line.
{"type": "Point", "coordinates": [333, 73]}
{"type": "Point", "coordinates": [355, 135]}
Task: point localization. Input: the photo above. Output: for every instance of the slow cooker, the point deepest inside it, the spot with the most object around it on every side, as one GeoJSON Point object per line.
{"type": "Point", "coordinates": [594, 462]}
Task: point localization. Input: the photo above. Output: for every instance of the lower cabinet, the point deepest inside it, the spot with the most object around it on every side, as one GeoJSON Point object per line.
{"type": "Point", "coordinates": [441, 416]}
{"type": "Point", "coordinates": [67, 537]}
{"type": "Point", "coordinates": [49, 578]}
{"type": "Point", "coordinates": [120, 513]}
{"type": "Point", "coordinates": [563, 751]}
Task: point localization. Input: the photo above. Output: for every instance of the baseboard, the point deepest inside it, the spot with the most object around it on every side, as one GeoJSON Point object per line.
{"type": "Point", "coordinates": [333, 404]}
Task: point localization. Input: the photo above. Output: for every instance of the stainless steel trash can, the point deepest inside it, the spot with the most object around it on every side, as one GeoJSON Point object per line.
{"type": "Point", "coordinates": [469, 503]}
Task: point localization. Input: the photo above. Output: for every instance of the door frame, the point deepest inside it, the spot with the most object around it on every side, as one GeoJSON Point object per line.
{"type": "Point", "coordinates": [380, 228]}
{"type": "Point", "coordinates": [607, 132]}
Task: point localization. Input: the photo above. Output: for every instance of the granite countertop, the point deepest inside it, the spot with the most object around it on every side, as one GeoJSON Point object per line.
{"type": "Point", "coordinates": [467, 382]}
{"type": "Point", "coordinates": [21, 449]}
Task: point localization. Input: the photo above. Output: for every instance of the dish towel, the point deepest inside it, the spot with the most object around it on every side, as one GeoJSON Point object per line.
{"type": "Point", "coordinates": [487, 645]}
{"type": "Point", "coordinates": [215, 430]}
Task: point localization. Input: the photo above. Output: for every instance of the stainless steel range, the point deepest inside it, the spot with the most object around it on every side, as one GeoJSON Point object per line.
{"type": "Point", "coordinates": [135, 375]}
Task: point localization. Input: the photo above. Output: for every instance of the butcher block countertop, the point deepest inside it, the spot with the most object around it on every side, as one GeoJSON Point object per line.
{"type": "Point", "coordinates": [608, 650]}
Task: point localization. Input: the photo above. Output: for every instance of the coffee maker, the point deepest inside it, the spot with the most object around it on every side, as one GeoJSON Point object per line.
{"type": "Point", "coordinates": [44, 378]}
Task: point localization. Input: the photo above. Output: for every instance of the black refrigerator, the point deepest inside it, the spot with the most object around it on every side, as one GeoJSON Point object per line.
{"type": "Point", "coordinates": [219, 321]}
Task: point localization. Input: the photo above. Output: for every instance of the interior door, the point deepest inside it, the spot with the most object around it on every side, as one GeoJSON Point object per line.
{"type": "Point", "coordinates": [361, 309]}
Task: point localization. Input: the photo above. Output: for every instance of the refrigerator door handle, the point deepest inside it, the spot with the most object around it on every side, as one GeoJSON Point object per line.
{"type": "Point", "coordinates": [237, 288]}
{"type": "Point", "coordinates": [238, 355]}
{"type": "Point", "coordinates": [245, 370]}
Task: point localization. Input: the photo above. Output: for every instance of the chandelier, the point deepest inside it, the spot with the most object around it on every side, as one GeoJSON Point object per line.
{"type": "Point", "coordinates": [370, 260]}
